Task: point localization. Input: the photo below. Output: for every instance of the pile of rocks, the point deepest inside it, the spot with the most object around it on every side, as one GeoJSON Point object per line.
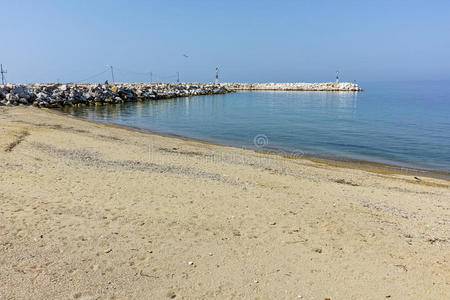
{"type": "Point", "coordinates": [58, 95]}
{"type": "Point", "coordinates": [298, 86]}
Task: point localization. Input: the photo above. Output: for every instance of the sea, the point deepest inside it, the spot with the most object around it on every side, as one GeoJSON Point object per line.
{"type": "Point", "coordinates": [403, 123]}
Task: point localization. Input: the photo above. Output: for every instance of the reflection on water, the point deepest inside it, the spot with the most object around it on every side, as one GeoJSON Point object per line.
{"type": "Point", "coordinates": [406, 126]}
{"type": "Point", "coordinates": [339, 102]}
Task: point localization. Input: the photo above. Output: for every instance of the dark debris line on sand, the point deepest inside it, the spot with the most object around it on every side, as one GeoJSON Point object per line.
{"type": "Point", "coordinates": [94, 159]}
{"type": "Point", "coordinates": [19, 139]}
{"type": "Point", "coordinates": [69, 129]}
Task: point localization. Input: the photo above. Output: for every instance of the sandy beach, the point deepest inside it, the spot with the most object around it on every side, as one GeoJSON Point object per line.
{"type": "Point", "coordinates": [95, 211]}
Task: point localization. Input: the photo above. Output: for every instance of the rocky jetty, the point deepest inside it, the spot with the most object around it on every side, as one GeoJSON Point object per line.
{"type": "Point", "coordinates": [58, 95]}
{"type": "Point", "coordinates": [298, 86]}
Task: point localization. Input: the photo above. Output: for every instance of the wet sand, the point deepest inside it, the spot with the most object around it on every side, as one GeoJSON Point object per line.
{"type": "Point", "coordinates": [93, 211]}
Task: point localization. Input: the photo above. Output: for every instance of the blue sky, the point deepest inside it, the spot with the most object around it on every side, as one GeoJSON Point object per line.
{"type": "Point", "coordinates": [251, 41]}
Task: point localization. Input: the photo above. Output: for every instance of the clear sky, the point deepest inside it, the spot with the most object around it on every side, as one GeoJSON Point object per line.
{"type": "Point", "coordinates": [250, 41]}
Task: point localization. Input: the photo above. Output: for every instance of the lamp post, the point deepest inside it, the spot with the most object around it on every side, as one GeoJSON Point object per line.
{"type": "Point", "coordinates": [112, 72]}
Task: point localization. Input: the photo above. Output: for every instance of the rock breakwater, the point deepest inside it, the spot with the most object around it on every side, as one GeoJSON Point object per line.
{"type": "Point", "coordinates": [59, 95]}
{"type": "Point", "coordinates": [297, 86]}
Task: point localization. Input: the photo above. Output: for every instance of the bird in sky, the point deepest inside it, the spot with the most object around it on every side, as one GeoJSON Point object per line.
{"type": "Point", "coordinates": [185, 55]}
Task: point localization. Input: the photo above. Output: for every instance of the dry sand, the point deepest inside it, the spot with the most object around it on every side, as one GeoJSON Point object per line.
{"type": "Point", "coordinates": [95, 211]}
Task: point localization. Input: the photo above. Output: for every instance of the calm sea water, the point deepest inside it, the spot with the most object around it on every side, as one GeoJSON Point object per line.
{"type": "Point", "coordinates": [402, 123]}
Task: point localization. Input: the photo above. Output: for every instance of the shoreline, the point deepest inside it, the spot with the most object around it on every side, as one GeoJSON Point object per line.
{"type": "Point", "coordinates": [372, 166]}
{"type": "Point", "coordinates": [97, 210]}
